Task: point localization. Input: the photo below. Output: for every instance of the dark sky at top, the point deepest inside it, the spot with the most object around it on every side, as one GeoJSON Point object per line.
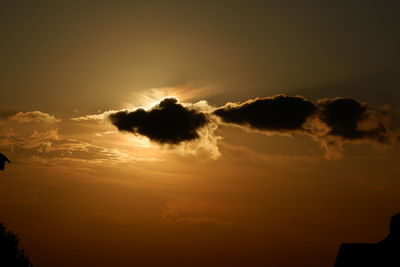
{"type": "Point", "coordinates": [62, 55]}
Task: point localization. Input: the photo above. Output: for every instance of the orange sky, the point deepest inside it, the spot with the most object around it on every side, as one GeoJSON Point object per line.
{"type": "Point", "coordinates": [81, 193]}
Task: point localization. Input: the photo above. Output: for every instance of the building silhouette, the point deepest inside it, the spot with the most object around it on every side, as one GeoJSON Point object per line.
{"type": "Point", "coordinates": [3, 160]}
{"type": "Point", "coordinates": [382, 254]}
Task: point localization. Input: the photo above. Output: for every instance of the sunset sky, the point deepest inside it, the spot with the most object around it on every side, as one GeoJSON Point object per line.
{"type": "Point", "coordinates": [198, 133]}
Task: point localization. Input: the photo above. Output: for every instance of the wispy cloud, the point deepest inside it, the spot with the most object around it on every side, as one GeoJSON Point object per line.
{"type": "Point", "coordinates": [34, 116]}
{"type": "Point", "coordinates": [34, 137]}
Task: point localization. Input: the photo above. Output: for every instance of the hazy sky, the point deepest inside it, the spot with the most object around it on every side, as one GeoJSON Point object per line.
{"type": "Point", "coordinates": [81, 193]}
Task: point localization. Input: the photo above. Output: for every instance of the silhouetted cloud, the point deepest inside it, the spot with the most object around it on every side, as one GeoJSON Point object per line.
{"type": "Point", "coordinates": [277, 113]}
{"type": "Point", "coordinates": [345, 120]}
{"type": "Point", "coordinates": [169, 122]}
{"type": "Point", "coordinates": [352, 120]}
{"type": "Point", "coordinates": [332, 122]}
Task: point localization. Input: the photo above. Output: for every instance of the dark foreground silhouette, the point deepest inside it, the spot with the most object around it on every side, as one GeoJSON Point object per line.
{"type": "Point", "coordinates": [11, 255]}
{"type": "Point", "coordinates": [382, 254]}
{"type": "Point", "coordinates": [3, 160]}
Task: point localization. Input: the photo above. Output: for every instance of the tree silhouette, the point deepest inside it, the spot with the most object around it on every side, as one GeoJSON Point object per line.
{"type": "Point", "coordinates": [11, 255]}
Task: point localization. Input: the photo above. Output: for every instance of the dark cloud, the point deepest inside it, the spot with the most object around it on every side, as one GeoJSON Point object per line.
{"type": "Point", "coordinates": [332, 122]}
{"type": "Point", "coordinates": [352, 120]}
{"type": "Point", "coordinates": [167, 123]}
{"type": "Point", "coordinates": [344, 118]}
{"type": "Point", "coordinates": [277, 113]}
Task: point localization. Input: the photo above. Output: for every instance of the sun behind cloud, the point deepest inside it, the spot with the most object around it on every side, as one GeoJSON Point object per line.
{"type": "Point", "coordinates": [150, 97]}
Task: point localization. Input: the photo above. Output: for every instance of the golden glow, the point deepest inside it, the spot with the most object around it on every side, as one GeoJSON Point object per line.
{"type": "Point", "coordinates": [150, 97]}
{"type": "Point", "coordinates": [80, 193]}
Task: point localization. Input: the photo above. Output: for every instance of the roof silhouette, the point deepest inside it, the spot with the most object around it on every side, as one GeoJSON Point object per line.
{"type": "Point", "coordinates": [382, 254]}
{"type": "Point", "coordinates": [3, 160]}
